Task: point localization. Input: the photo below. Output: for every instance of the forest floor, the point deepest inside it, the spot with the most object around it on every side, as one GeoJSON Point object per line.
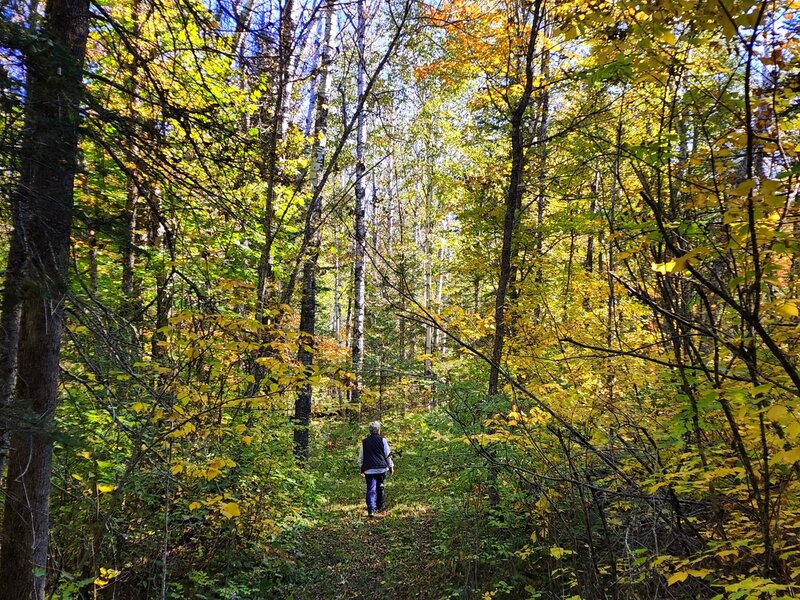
{"type": "Point", "coordinates": [401, 552]}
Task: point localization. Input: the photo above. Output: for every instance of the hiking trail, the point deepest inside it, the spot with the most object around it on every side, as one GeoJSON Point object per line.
{"type": "Point", "coordinates": [395, 554]}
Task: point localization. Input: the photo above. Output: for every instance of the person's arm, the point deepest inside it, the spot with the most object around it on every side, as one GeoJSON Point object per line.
{"type": "Point", "coordinates": [361, 458]}
{"type": "Point", "coordinates": [388, 453]}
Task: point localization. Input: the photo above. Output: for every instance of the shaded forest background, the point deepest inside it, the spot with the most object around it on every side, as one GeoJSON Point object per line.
{"type": "Point", "coordinates": [566, 231]}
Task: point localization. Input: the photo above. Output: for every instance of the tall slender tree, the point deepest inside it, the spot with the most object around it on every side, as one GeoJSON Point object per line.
{"type": "Point", "coordinates": [513, 200]}
{"type": "Point", "coordinates": [360, 226]}
{"type": "Point", "coordinates": [44, 202]}
{"type": "Point", "coordinates": [275, 116]}
{"type": "Point", "coordinates": [308, 306]}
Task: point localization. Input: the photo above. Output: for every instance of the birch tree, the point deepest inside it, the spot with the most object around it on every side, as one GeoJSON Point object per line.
{"type": "Point", "coordinates": [360, 224]}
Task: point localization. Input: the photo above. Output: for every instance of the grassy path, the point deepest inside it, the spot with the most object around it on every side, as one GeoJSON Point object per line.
{"type": "Point", "coordinates": [395, 555]}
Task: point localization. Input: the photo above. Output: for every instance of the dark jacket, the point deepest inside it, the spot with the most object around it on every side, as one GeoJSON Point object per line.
{"type": "Point", "coordinates": [374, 453]}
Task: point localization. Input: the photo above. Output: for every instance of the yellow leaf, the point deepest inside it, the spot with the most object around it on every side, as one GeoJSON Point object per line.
{"type": "Point", "coordinates": [699, 572]}
{"type": "Point", "coordinates": [656, 486]}
{"type": "Point", "coordinates": [176, 469]}
{"type": "Point", "coordinates": [663, 268]}
{"type": "Point", "coordinates": [212, 473]}
{"type": "Point", "coordinates": [786, 457]}
{"type": "Point", "coordinates": [559, 553]}
{"type": "Point", "coordinates": [668, 37]}
{"type": "Point", "coordinates": [194, 505]}
{"type": "Point", "coordinates": [788, 310]}
{"type": "Point", "coordinates": [230, 510]}
{"type": "Point", "coordinates": [106, 575]}
{"type": "Point", "coordinates": [677, 577]}
{"type": "Point", "coordinates": [104, 488]}
{"type": "Point", "coordinates": [139, 407]}
{"type": "Point", "coordinates": [777, 412]}
{"type": "Point", "coordinates": [570, 33]}
{"type": "Point", "coordinates": [744, 188]}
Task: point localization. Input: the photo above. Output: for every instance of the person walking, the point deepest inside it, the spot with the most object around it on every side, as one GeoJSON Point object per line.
{"type": "Point", "coordinates": [375, 461]}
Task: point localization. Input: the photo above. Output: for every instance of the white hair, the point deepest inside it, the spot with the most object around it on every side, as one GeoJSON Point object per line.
{"type": "Point", "coordinates": [375, 427]}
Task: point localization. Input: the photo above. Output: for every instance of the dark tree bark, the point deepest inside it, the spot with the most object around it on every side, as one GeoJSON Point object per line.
{"type": "Point", "coordinates": [131, 283]}
{"type": "Point", "coordinates": [541, 183]}
{"type": "Point", "coordinates": [308, 306]}
{"type": "Point", "coordinates": [510, 223]}
{"type": "Point", "coordinates": [273, 126]}
{"type": "Point", "coordinates": [513, 201]}
{"type": "Point", "coordinates": [588, 262]}
{"type": "Point", "coordinates": [157, 242]}
{"type": "Point", "coordinates": [276, 132]}
{"type": "Point", "coordinates": [9, 327]}
{"type": "Point", "coordinates": [44, 199]}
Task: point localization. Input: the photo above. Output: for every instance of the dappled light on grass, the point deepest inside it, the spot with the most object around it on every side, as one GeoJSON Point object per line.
{"type": "Point", "coordinates": [401, 509]}
{"type": "Point", "coordinates": [349, 555]}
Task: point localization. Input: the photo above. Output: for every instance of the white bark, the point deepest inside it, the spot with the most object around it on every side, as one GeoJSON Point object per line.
{"type": "Point", "coordinates": [359, 275]}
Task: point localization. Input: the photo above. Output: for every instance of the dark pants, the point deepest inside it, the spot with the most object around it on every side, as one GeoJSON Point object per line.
{"type": "Point", "coordinates": [375, 491]}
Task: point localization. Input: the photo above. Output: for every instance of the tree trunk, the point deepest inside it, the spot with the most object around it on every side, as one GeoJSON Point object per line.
{"type": "Point", "coordinates": [444, 259]}
{"type": "Point", "coordinates": [359, 277]}
{"type": "Point", "coordinates": [308, 307]}
{"type": "Point", "coordinates": [541, 183]}
{"type": "Point", "coordinates": [44, 199]}
{"type": "Point", "coordinates": [131, 286]}
{"type": "Point", "coordinates": [9, 326]}
{"type": "Point", "coordinates": [131, 283]}
{"type": "Point", "coordinates": [510, 222]}
{"type": "Point", "coordinates": [588, 262]}
{"type": "Point", "coordinates": [427, 274]}
{"type": "Point", "coordinates": [163, 274]}
{"type": "Point", "coordinates": [336, 319]}
{"type": "Point", "coordinates": [611, 302]}
{"type": "Point", "coordinates": [277, 129]}
{"type": "Point", "coordinates": [429, 295]}
{"type": "Point", "coordinates": [513, 200]}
